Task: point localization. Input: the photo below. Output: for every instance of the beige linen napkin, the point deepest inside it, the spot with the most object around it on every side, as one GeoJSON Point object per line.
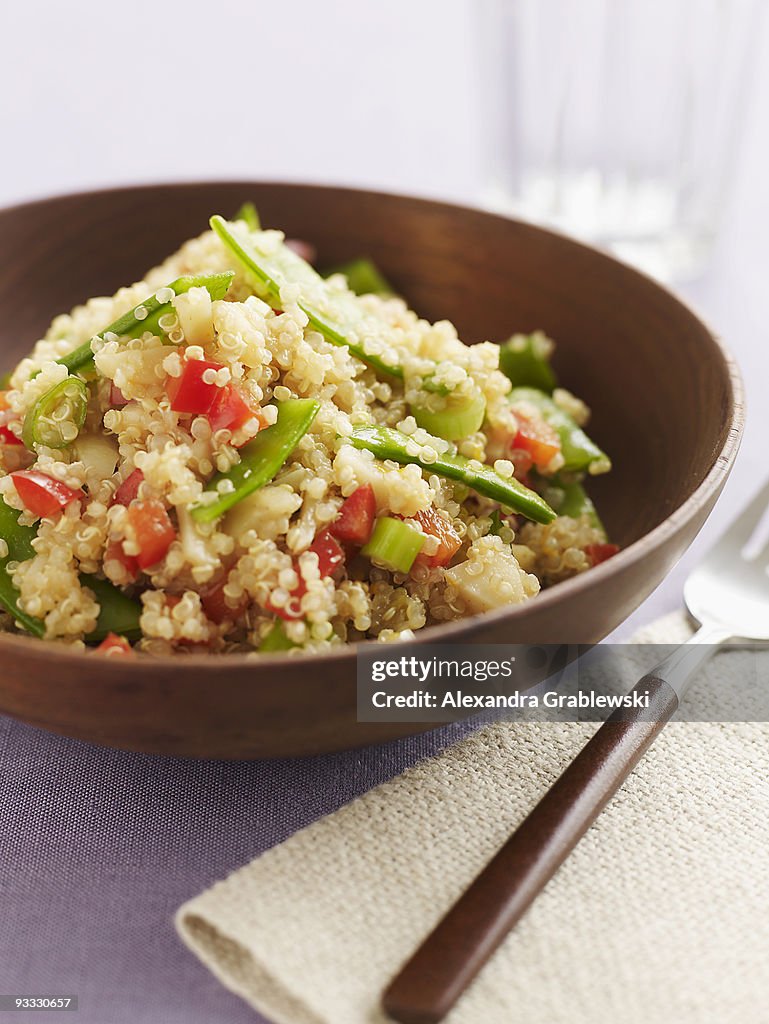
{"type": "Point", "coordinates": [661, 914]}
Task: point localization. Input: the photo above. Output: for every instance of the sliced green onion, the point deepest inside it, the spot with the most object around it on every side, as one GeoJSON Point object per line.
{"type": "Point", "coordinates": [57, 416]}
{"type": "Point", "coordinates": [146, 316]}
{"type": "Point", "coordinates": [394, 544]}
{"type": "Point", "coordinates": [387, 443]}
{"type": "Point", "coordinates": [250, 215]}
{"type": "Point", "coordinates": [276, 640]}
{"type": "Point", "coordinates": [363, 277]}
{"type": "Point", "coordinates": [260, 459]}
{"type": "Point", "coordinates": [461, 416]}
{"type": "Point", "coordinates": [525, 359]}
{"type": "Point", "coordinates": [282, 266]}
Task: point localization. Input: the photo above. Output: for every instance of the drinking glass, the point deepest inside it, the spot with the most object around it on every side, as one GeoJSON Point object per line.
{"type": "Point", "coordinates": [617, 120]}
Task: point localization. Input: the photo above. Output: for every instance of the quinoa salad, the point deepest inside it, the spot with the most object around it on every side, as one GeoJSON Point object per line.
{"type": "Point", "coordinates": [243, 453]}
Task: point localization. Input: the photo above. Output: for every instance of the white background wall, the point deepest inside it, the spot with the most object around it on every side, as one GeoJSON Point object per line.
{"type": "Point", "coordinates": [374, 93]}
{"type": "Point", "coordinates": [381, 93]}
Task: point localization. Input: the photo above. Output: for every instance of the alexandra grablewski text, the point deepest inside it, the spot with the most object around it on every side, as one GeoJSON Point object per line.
{"type": "Point", "coordinates": [440, 683]}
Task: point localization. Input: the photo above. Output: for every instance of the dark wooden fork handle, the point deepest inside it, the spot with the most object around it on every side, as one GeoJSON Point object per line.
{"type": "Point", "coordinates": [450, 957]}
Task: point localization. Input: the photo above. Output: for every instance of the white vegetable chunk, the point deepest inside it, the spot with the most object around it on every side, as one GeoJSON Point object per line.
{"type": "Point", "coordinates": [490, 577]}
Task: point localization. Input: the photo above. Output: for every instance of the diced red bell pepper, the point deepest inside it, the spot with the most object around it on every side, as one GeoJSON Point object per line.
{"type": "Point", "coordinates": [356, 517]}
{"type": "Point", "coordinates": [230, 410]}
{"type": "Point", "coordinates": [598, 553]}
{"type": "Point", "coordinates": [153, 529]}
{"type": "Point", "coordinates": [189, 392]}
{"type": "Point", "coordinates": [129, 489]}
{"type": "Point", "coordinates": [214, 604]}
{"type": "Point", "coordinates": [116, 397]}
{"type": "Point", "coordinates": [7, 436]}
{"type": "Point", "coordinates": [537, 437]}
{"type": "Point", "coordinates": [115, 646]}
{"type": "Point", "coordinates": [42, 495]}
{"type": "Point", "coordinates": [114, 553]}
{"type": "Point", "coordinates": [329, 552]}
{"type": "Point", "coordinates": [330, 557]}
{"type": "Point", "coordinates": [449, 541]}
{"type": "Point", "coordinates": [522, 462]}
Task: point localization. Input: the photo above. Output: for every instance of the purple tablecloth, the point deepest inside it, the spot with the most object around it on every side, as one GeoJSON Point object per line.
{"type": "Point", "coordinates": [99, 847]}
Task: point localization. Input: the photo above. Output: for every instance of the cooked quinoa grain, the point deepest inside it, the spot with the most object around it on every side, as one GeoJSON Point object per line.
{"type": "Point", "coordinates": [264, 465]}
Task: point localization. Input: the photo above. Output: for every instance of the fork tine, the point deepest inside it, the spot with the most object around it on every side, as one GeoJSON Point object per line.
{"type": "Point", "coordinates": [739, 532]}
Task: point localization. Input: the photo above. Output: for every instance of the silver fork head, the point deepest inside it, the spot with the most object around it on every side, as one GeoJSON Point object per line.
{"type": "Point", "coordinates": [727, 587]}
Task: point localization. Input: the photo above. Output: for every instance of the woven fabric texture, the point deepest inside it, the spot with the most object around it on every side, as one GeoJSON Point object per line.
{"type": "Point", "coordinates": [661, 913]}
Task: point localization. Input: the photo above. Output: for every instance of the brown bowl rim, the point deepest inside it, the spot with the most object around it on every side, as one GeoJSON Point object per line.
{"type": "Point", "coordinates": [446, 632]}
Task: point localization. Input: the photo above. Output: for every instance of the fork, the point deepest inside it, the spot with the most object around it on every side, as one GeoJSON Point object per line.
{"type": "Point", "coordinates": [728, 595]}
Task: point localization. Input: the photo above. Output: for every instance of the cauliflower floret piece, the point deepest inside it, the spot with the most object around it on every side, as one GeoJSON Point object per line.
{"type": "Point", "coordinates": [490, 577]}
{"type": "Point", "coordinates": [194, 310]}
{"type": "Point", "coordinates": [266, 511]}
{"type": "Point", "coordinates": [400, 489]}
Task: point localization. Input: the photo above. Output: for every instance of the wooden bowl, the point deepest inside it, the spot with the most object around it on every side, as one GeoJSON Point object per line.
{"type": "Point", "coordinates": [666, 402]}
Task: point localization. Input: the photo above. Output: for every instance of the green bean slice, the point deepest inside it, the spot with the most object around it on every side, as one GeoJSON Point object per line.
{"type": "Point", "coordinates": [57, 416]}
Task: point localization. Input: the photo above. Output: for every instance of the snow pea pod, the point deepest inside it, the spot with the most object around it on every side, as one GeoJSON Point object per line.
{"type": "Point", "coordinates": [576, 502]}
{"type": "Point", "coordinates": [349, 326]}
{"type": "Point", "coordinates": [387, 443]}
{"type": "Point", "coordinates": [19, 541]}
{"type": "Point", "coordinates": [250, 215]}
{"type": "Point", "coordinates": [363, 277]}
{"type": "Point", "coordinates": [146, 315]}
{"type": "Point", "coordinates": [579, 452]}
{"type": "Point", "coordinates": [260, 459]}
{"type": "Point", "coordinates": [524, 358]}
{"type": "Point", "coordinates": [118, 613]}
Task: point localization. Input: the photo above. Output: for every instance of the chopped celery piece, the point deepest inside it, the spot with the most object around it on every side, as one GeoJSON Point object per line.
{"type": "Point", "coordinates": [461, 416]}
{"type": "Point", "coordinates": [387, 443]}
{"type": "Point", "coordinates": [146, 315]}
{"type": "Point", "coordinates": [363, 277]}
{"type": "Point", "coordinates": [57, 416]}
{"type": "Point", "coordinates": [280, 266]}
{"type": "Point", "coordinates": [276, 640]}
{"type": "Point", "coordinates": [525, 359]}
{"type": "Point", "coordinates": [578, 451]}
{"type": "Point", "coordinates": [250, 215]}
{"type": "Point", "coordinates": [394, 544]}
{"type": "Point", "coordinates": [260, 459]}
